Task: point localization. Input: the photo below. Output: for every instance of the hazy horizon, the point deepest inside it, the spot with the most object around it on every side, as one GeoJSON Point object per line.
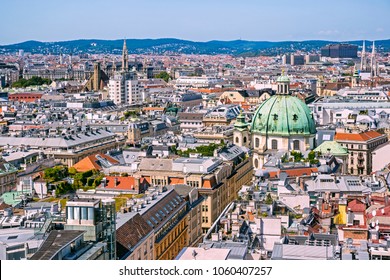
{"type": "Point", "coordinates": [203, 21]}
{"type": "Point", "coordinates": [117, 39]}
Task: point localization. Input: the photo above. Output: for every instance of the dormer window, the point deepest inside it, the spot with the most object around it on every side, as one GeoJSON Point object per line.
{"type": "Point", "coordinates": [275, 117]}
{"type": "Point", "coordinates": [295, 117]}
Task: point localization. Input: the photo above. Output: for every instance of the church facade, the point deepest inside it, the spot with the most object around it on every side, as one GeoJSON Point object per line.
{"type": "Point", "coordinates": [282, 122]}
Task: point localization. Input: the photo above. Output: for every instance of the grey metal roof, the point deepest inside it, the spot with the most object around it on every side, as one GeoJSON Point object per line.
{"type": "Point", "coordinates": [58, 142]}
{"type": "Point", "coordinates": [328, 183]}
{"type": "Point", "coordinates": [301, 252]}
{"type": "Point", "coordinates": [237, 250]}
{"type": "Point", "coordinates": [56, 241]}
{"type": "Point", "coordinates": [156, 164]}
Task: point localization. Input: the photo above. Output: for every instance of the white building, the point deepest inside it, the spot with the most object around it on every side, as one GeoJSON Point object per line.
{"type": "Point", "coordinates": [123, 88]}
{"type": "Point", "coordinates": [185, 82]}
{"type": "Point", "coordinates": [332, 109]}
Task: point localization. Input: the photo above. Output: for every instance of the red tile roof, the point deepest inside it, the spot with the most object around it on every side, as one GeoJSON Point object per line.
{"type": "Point", "coordinates": [153, 109]}
{"type": "Point", "coordinates": [294, 172]}
{"type": "Point", "coordinates": [122, 183]}
{"type": "Point", "coordinates": [363, 136]}
{"type": "Point", "coordinates": [382, 212]}
{"type": "Point", "coordinates": [356, 206]}
{"type": "Point", "coordinates": [128, 183]}
{"type": "Point", "coordinates": [91, 162]}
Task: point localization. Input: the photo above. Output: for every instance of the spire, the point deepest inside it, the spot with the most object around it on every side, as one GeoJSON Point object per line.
{"type": "Point", "coordinates": [363, 57]}
{"type": "Point", "coordinates": [372, 59]}
{"type": "Point", "coordinates": [125, 57]}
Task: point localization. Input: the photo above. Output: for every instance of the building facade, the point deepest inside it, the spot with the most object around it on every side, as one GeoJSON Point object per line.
{"type": "Point", "coordinates": [360, 148]}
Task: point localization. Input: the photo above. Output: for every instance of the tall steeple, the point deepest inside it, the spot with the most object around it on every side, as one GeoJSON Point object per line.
{"type": "Point", "coordinates": [125, 58]}
{"type": "Point", "coordinates": [363, 58]}
{"type": "Point", "coordinates": [373, 62]}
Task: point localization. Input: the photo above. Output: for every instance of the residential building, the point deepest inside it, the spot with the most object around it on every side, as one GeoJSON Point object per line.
{"type": "Point", "coordinates": [135, 240]}
{"type": "Point", "coordinates": [8, 174]}
{"type": "Point", "coordinates": [190, 121]}
{"type": "Point", "coordinates": [360, 148]}
{"type": "Point", "coordinates": [167, 214]}
{"type": "Point", "coordinates": [216, 180]}
{"type": "Point", "coordinates": [297, 59]}
{"type": "Point", "coordinates": [69, 148]}
{"type": "Point", "coordinates": [123, 88]}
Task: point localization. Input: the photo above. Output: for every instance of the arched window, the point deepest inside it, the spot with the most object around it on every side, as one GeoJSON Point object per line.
{"type": "Point", "coordinates": [244, 139]}
{"type": "Point", "coordinates": [274, 144]}
{"type": "Point", "coordinates": [256, 163]}
{"type": "Point", "coordinates": [296, 145]}
{"type": "Point", "coordinates": [257, 142]}
{"type": "Point", "coordinates": [237, 140]}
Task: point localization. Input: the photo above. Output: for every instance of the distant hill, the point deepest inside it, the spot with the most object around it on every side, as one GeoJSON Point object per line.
{"type": "Point", "coordinates": [174, 46]}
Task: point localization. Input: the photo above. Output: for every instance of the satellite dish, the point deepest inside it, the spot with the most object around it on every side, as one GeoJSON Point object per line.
{"type": "Point", "coordinates": [377, 228]}
{"type": "Point", "coordinates": [374, 213]}
{"type": "Point", "coordinates": [372, 224]}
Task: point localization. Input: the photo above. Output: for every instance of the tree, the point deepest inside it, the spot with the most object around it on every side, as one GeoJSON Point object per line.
{"type": "Point", "coordinates": [34, 81]}
{"type": "Point", "coordinates": [63, 188]}
{"type": "Point", "coordinates": [163, 75]}
{"type": "Point", "coordinates": [297, 156]}
{"type": "Point", "coordinates": [55, 173]}
{"type": "Point", "coordinates": [312, 158]}
{"type": "Point", "coordinates": [72, 171]}
{"type": "Point", "coordinates": [207, 150]}
{"type": "Point", "coordinates": [269, 199]}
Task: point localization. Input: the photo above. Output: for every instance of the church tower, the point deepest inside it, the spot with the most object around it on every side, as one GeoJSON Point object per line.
{"type": "Point", "coordinates": [373, 67]}
{"type": "Point", "coordinates": [363, 59]}
{"type": "Point", "coordinates": [125, 58]}
{"type": "Point", "coordinates": [241, 135]}
{"type": "Point", "coordinates": [355, 78]}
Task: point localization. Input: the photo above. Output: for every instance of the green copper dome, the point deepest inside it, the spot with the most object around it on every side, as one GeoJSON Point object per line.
{"type": "Point", "coordinates": [283, 115]}
{"type": "Point", "coordinates": [283, 79]}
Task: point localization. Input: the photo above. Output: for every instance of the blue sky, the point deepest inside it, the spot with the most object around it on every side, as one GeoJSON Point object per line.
{"type": "Point", "coordinates": [198, 20]}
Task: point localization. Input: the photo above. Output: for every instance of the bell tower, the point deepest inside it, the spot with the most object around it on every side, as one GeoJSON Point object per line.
{"type": "Point", "coordinates": [241, 135]}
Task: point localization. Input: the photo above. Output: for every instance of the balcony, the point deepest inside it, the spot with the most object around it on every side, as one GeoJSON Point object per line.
{"type": "Point", "coordinates": [360, 165]}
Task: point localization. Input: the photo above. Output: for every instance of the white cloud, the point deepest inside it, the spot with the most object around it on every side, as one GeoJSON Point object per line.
{"type": "Point", "coordinates": [328, 32]}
